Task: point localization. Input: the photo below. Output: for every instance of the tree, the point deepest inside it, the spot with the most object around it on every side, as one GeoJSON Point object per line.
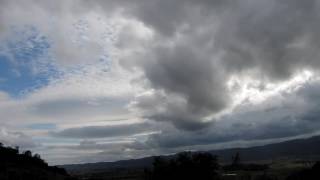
{"type": "Point", "coordinates": [28, 153]}
{"type": "Point", "coordinates": [236, 160]}
{"type": "Point", "coordinates": [185, 166]}
{"type": "Point", "coordinates": [17, 148]}
{"type": "Point", "coordinates": [37, 156]}
{"type": "Point", "coordinates": [14, 165]}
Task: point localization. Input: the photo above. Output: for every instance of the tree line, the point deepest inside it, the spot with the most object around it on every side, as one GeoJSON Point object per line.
{"type": "Point", "coordinates": [205, 166]}
{"type": "Point", "coordinates": [25, 165]}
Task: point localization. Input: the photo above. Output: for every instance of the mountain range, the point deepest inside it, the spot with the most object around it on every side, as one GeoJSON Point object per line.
{"type": "Point", "coordinates": [298, 149]}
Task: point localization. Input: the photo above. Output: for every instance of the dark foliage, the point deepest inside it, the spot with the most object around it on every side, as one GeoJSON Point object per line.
{"type": "Point", "coordinates": [15, 166]}
{"type": "Point", "coordinates": [9, 155]}
{"type": "Point", "coordinates": [307, 174]}
{"type": "Point", "coordinates": [185, 166]}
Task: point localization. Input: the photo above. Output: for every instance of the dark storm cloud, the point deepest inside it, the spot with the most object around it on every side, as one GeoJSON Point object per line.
{"type": "Point", "coordinates": [288, 116]}
{"type": "Point", "coordinates": [198, 45]}
{"type": "Point", "coordinates": [167, 16]}
{"type": "Point", "coordinates": [184, 71]}
{"type": "Point", "coordinates": [191, 86]}
{"type": "Point", "coordinates": [164, 16]}
{"type": "Point", "coordinates": [280, 128]}
{"type": "Point", "coordinates": [104, 131]}
{"type": "Point", "coordinates": [209, 42]}
{"type": "Point", "coordinates": [276, 37]}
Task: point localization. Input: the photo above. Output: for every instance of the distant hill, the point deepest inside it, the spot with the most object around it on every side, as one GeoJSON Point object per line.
{"type": "Point", "coordinates": [295, 149]}
{"type": "Point", "coordinates": [21, 166]}
{"type": "Point", "coordinates": [103, 166]}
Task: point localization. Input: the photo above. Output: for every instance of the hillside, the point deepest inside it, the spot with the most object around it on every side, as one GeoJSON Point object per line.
{"type": "Point", "coordinates": [16, 166]}
{"type": "Point", "coordinates": [295, 149]}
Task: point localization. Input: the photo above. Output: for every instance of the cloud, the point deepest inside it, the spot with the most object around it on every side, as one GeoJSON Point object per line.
{"type": "Point", "coordinates": [205, 72]}
{"type": "Point", "coordinates": [91, 151]}
{"type": "Point", "coordinates": [283, 115]}
{"type": "Point", "coordinates": [3, 96]}
{"type": "Point", "coordinates": [104, 131]}
{"type": "Point", "coordinates": [276, 38]}
{"type": "Point", "coordinates": [195, 55]}
{"type": "Point", "coordinates": [12, 138]}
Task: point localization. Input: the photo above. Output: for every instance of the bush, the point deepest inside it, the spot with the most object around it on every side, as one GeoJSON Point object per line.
{"type": "Point", "coordinates": [185, 166]}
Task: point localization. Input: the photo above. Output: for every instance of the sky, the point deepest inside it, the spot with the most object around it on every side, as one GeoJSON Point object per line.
{"type": "Point", "coordinates": [105, 80]}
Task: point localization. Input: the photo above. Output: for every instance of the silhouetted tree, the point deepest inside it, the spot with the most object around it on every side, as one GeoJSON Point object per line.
{"type": "Point", "coordinates": [28, 153]}
{"type": "Point", "coordinates": [37, 156]}
{"type": "Point", "coordinates": [185, 166]}
{"type": "Point", "coordinates": [236, 160]}
{"type": "Point", "coordinates": [17, 166]}
{"type": "Point", "coordinates": [17, 148]}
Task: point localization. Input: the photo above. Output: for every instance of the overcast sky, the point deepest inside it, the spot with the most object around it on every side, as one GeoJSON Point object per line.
{"type": "Point", "coordinates": [104, 80]}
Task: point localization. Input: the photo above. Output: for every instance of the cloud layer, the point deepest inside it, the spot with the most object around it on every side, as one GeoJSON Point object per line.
{"type": "Point", "coordinates": [156, 76]}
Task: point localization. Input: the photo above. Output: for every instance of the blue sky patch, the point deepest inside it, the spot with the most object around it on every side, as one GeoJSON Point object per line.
{"type": "Point", "coordinates": [25, 63]}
